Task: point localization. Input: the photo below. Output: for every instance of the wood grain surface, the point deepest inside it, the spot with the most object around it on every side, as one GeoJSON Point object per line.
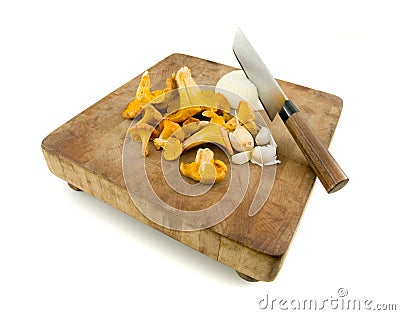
{"type": "Point", "coordinates": [87, 153]}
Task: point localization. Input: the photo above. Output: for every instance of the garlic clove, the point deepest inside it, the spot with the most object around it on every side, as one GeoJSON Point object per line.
{"type": "Point", "coordinates": [264, 155]}
{"type": "Point", "coordinates": [241, 157]}
{"type": "Point", "coordinates": [263, 137]}
{"type": "Point", "coordinates": [241, 139]}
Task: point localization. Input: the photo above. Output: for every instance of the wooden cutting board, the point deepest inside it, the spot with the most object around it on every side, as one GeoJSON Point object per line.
{"type": "Point", "coordinates": [87, 153]}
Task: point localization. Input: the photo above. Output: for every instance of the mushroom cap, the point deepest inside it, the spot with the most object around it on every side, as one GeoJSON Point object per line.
{"type": "Point", "coordinates": [172, 149]}
{"type": "Point", "coordinates": [211, 133]}
{"type": "Point", "coordinates": [142, 133]}
{"type": "Point", "coordinates": [151, 115]}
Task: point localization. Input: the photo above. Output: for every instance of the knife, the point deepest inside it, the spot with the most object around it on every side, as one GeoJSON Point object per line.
{"type": "Point", "coordinates": [276, 102]}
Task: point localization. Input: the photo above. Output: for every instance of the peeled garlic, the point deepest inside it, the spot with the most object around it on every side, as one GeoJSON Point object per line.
{"type": "Point", "coordinates": [263, 137]}
{"type": "Point", "coordinates": [237, 82]}
{"type": "Point", "coordinates": [264, 155]}
{"type": "Point", "coordinates": [241, 157]}
{"type": "Point", "coordinates": [241, 138]}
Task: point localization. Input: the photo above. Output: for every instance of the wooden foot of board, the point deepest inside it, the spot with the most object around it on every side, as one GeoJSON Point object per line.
{"type": "Point", "coordinates": [246, 277]}
{"type": "Point", "coordinates": [74, 187]}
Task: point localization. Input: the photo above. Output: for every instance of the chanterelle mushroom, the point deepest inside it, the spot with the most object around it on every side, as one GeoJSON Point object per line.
{"type": "Point", "coordinates": [214, 117]}
{"type": "Point", "coordinates": [169, 128]}
{"type": "Point", "coordinates": [185, 113]}
{"type": "Point", "coordinates": [144, 95]}
{"type": "Point", "coordinates": [246, 117]}
{"type": "Point", "coordinates": [151, 116]}
{"type": "Point", "coordinates": [142, 133]}
{"type": "Point", "coordinates": [193, 100]}
{"type": "Point", "coordinates": [204, 169]}
{"type": "Point", "coordinates": [172, 147]}
{"type": "Point", "coordinates": [211, 133]}
{"type": "Point", "coordinates": [189, 92]}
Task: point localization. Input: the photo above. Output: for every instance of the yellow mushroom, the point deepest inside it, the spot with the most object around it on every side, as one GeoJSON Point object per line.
{"type": "Point", "coordinates": [204, 169]}
{"type": "Point", "coordinates": [190, 121]}
{"type": "Point", "coordinates": [151, 116]}
{"type": "Point", "coordinates": [144, 95]}
{"type": "Point", "coordinates": [231, 124]}
{"type": "Point", "coordinates": [214, 117]}
{"type": "Point", "coordinates": [191, 94]}
{"type": "Point", "coordinates": [172, 148]}
{"type": "Point", "coordinates": [218, 101]}
{"type": "Point", "coordinates": [169, 128]}
{"type": "Point", "coordinates": [246, 117]}
{"type": "Point", "coordinates": [141, 133]}
{"type": "Point", "coordinates": [193, 100]}
{"type": "Point", "coordinates": [185, 113]}
{"type": "Point", "coordinates": [192, 125]}
{"type": "Point", "coordinates": [162, 102]}
{"type": "Point", "coordinates": [211, 133]}
{"type": "Point", "coordinates": [170, 83]}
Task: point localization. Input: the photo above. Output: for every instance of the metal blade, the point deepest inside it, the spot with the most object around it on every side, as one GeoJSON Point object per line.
{"type": "Point", "coordinates": [269, 92]}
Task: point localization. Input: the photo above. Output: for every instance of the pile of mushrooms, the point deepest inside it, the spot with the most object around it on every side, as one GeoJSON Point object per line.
{"type": "Point", "coordinates": [201, 116]}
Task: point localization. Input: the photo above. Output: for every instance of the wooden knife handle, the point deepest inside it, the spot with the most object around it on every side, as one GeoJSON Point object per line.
{"type": "Point", "coordinates": [321, 161]}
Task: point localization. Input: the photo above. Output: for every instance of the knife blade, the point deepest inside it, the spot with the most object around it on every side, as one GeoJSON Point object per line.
{"type": "Point", "coordinates": [275, 102]}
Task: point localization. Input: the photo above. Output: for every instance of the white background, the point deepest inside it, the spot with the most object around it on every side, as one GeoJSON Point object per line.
{"type": "Point", "coordinates": [64, 252]}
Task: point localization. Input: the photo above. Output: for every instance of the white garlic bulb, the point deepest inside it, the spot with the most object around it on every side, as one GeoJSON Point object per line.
{"type": "Point", "coordinates": [241, 87]}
